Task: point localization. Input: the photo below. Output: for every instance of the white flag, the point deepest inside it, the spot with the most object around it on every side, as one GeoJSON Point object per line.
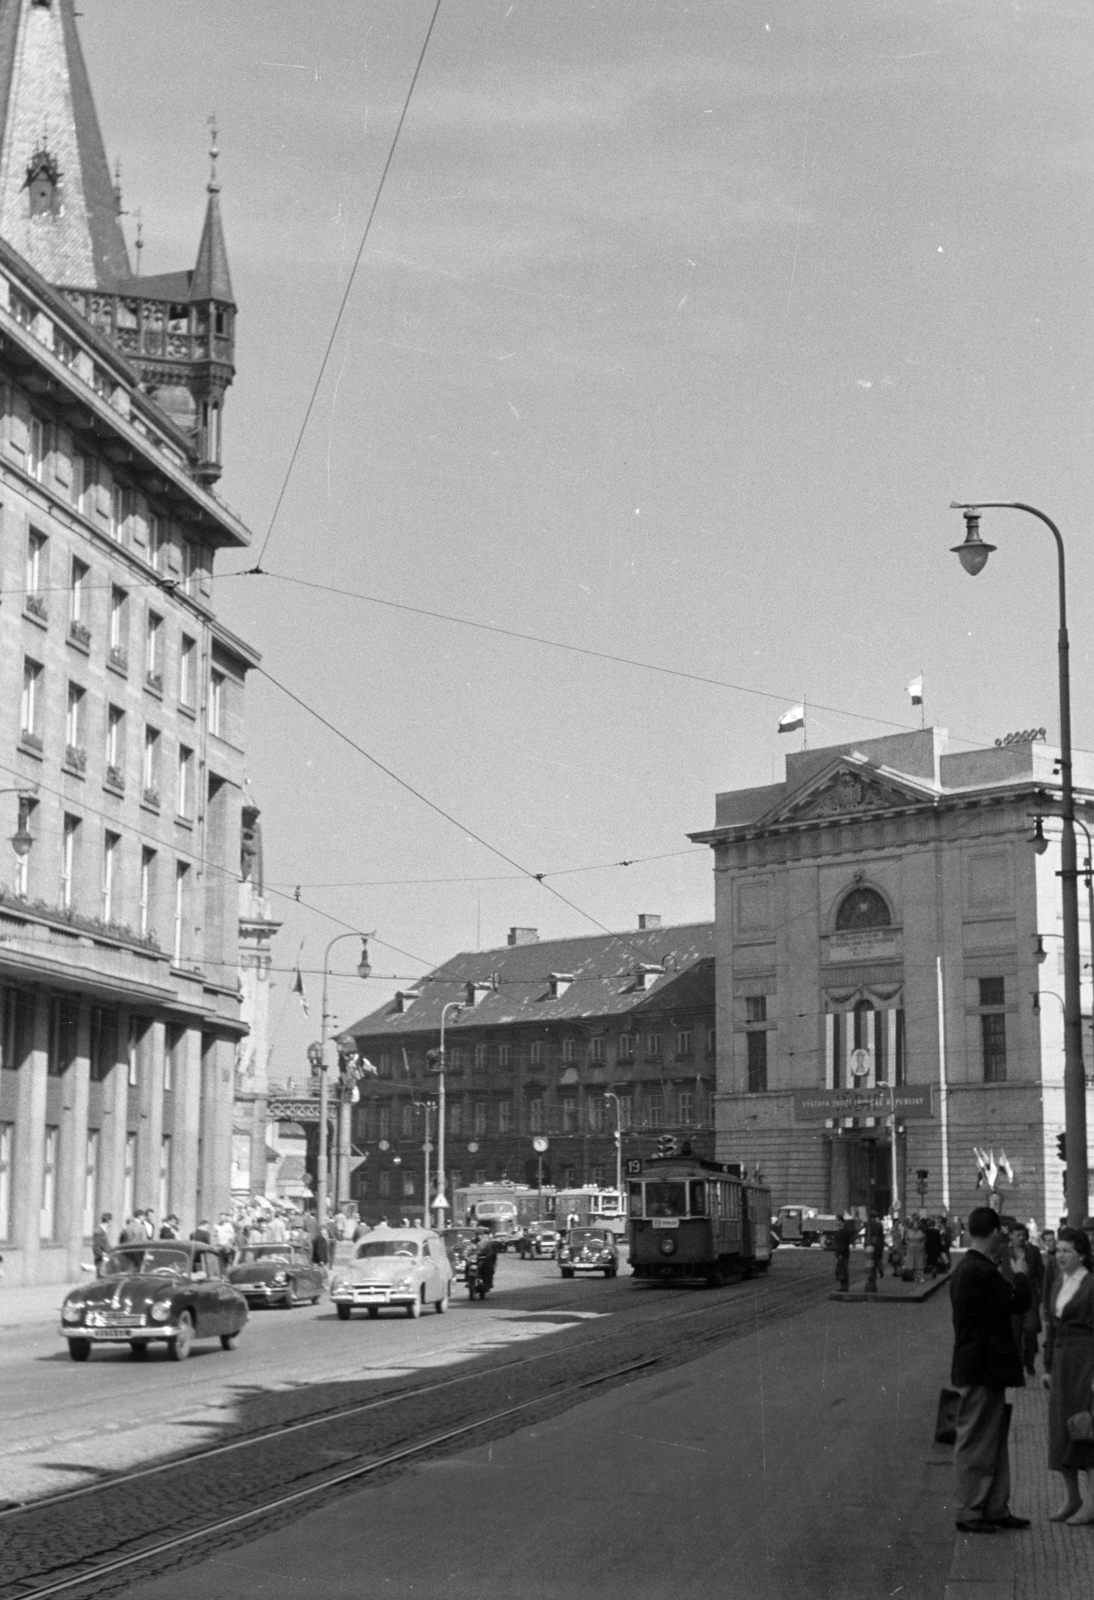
{"type": "Point", "coordinates": [915, 690]}
{"type": "Point", "coordinates": [794, 718]}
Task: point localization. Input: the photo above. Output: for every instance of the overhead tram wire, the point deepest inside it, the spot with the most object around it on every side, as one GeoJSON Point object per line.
{"type": "Point", "coordinates": [496, 877]}
{"type": "Point", "coordinates": [349, 286]}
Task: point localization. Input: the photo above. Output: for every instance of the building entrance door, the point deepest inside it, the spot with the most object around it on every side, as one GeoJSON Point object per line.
{"type": "Point", "coordinates": [861, 1174]}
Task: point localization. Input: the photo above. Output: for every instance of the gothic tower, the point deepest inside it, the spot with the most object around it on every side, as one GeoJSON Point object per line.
{"type": "Point", "coordinates": [60, 210]}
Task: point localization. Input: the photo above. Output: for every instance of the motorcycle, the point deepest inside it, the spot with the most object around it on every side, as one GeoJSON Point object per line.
{"type": "Point", "coordinates": [480, 1277]}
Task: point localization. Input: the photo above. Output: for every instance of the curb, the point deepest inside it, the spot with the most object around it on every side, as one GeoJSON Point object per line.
{"type": "Point", "coordinates": [916, 1298]}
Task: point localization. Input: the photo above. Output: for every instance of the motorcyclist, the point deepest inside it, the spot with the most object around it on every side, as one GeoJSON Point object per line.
{"type": "Point", "coordinates": [485, 1256]}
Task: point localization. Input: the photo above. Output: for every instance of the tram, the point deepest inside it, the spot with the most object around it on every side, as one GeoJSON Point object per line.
{"type": "Point", "coordinates": [691, 1218]}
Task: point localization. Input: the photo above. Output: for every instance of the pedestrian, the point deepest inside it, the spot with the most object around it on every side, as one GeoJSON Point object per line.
{"type": "Point", "coordinates": [133, 1232]}
{"type": "Point", "coordinates": [149, 1224]}
{"type": "Point", "coordinates": [203, 1234]}
{"type": "Point", "coordinates": [845, 1238]}
{"type": "Point", "coordinates": [1027, 1327]}
{"type": "Point", "coordinates": [917, 1247]}
{"type": "Point", "coordinates": [932, 1245]}
{"type": "Point", "coordinates": [172, 1228]}
{"type": "Point", "coordinates": [875, 1251]}
{"type": "Point", "coordinates": [986, 1363]}
{"type": "Point", "coordinates": [320, 1248]}
{"type": "Point", "coordinates": [1069, 1373]}
{"type": "Point", "coordinates": [946, 1235]}
{"type": "Point", "coordinates": [100, 1242]}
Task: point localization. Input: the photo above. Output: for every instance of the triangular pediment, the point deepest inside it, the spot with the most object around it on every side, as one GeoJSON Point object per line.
{"type": "Point", "coordinates": [847, 787]}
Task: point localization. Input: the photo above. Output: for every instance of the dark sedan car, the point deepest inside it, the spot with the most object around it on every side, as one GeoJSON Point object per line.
{"type": "Point", "coordinates": [277, 1274]}
{"type": "Point", "coordinates": [173, 1292]}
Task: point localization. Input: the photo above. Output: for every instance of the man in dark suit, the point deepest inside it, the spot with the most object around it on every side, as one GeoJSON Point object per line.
{"type": "Point", "coordinates": [986, 1291]}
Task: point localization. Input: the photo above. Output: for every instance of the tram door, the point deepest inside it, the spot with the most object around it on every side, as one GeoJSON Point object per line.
{"type": "Point", "coordinates": [746, 1223]}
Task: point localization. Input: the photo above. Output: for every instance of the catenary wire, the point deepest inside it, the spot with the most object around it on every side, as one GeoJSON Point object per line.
{"type": "Point", "coordinates": [349, 286]}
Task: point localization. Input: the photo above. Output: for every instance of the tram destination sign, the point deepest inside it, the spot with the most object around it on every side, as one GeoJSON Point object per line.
{"type": "Point", "coordinates": [818, 1105]}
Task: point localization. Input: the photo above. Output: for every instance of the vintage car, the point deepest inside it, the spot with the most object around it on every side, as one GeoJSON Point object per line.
{"type": "Point", "coordinates": [457, 1241]}
{"type": "Point", "coordinates": [543, 1240]}
{"type": "Point", "coordinates": [406, 1267]}
{"type": "Point", "coordinates": [589, 1250]}
{"type": "Point", "coordinates": [277, 1274]}
{"type": "Point", "coordinates": [171, 1292]}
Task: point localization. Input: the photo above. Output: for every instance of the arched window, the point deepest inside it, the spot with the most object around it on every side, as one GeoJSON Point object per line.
{"type": "Point", "coordinates": [862, 908]}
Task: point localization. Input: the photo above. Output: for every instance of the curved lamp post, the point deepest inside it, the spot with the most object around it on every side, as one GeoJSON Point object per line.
{"type": "Point", "coordinates": [609, 1095]}
{"type": "Point", "coordinates": [973, 555]}
{"type": "Point", "coordinates": [435, 1061]}
{"type": "Point", "coordinates": [364, 970]}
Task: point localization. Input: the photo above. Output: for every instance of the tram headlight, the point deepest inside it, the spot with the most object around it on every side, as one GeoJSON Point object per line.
{"type": "Point", "coordinates": [668, 1246]}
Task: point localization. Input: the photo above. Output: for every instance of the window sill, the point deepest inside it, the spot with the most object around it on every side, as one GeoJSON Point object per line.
{"type": "Point", "coordinates": [187, 711]}
{"type": "Point", "coordinates": [29, 745]}
{"type": "Point", "coordinates": [154, 686]}
{"type": "Point", "coordinates": [79, 642]}
{"type": "Point", "coordinates": [118, 664]}
{"type": "Point", "coordinates": [40, 621]}
{"type": "Point", "coordinates": [184, 822]}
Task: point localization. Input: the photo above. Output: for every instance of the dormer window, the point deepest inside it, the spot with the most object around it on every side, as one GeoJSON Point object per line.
{"type": "Point", "coordinates": [405, 998]}
{"type": "Point", "coordinates": [43, 184]}
{"type": "Point", "coordinates": [645, 977]}
{"type": "Point", "coordinates": [560, 982]}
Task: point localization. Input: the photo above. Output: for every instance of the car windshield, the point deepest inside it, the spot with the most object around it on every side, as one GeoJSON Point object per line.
{"type": "Point", "coordinates": [375, 1249]}
{"type": "Point", "coordinates": [155, 1261]}
{"type": "Point", "coordinates": [666, 1200]}
{"type": "Point", "coordinates": [588, 1235]}
{"type": "Point", "coordinates": [265, 1252]}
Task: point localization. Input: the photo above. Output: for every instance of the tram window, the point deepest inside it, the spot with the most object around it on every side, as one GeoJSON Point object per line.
{"type": "Point", "coordinates": [666, 1200]}
{"type": "Point", "coordinates": [697, 1198]}
{"type": "Point", "coordinates": [732, 1194]}
{"type": "Point", "coordinates": [635, 1192]}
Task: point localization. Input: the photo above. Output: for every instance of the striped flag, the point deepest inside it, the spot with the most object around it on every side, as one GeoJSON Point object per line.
{"type": "Point", "coordinates": [915, 690]}
{"type": "Point", "coordinates": [794, 718]}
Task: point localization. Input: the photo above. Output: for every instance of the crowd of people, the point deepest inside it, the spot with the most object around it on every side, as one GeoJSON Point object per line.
{"type": "Point", "coordinates": [916, 1248]}
{"type": "Point", "coordinates": [256, 1220]}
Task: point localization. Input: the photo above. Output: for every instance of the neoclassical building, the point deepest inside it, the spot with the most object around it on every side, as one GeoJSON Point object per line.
{"type": "Point", "coordinates": [881, 918]}
{"type": "Point", "coordinates": [121, 694]}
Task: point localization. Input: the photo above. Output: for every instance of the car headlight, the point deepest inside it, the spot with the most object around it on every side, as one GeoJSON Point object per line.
{"type": "Point", "coordinates": [72, 1313]}
{"type": "Point", "coordinates": [160, 1310]}
{"type": "Point", "coordinates": [337, 1285]}
{"type": "Point", "coordinates": [403, 1283]}
{"type": "Point", "coordinates": [281, 1277]}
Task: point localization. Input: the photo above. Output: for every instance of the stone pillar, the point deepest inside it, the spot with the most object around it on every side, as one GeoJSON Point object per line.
{"type": "Point", "coordinates": [151, 1114]}
{"type": "Point", "coordinates": [186, 1199]}
{"type": "Point", "coordinates": [217, 1084]}
{"type": "Point", "coordinates": [30, 1123]}
{"type": "Point", "coordinates": [840, 1175]}
{"type": "Point", "coordinates": [112, 1139]}
{"type": "Point", "coordinates": [72, 1177]}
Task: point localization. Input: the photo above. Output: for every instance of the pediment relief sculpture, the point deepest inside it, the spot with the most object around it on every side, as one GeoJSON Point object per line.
{"type": "Point", "coordinates": [845, 793]}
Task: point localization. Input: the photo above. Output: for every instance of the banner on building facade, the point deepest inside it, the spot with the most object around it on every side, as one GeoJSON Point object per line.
{"type": "Point", "coordinates": [818, 1105]}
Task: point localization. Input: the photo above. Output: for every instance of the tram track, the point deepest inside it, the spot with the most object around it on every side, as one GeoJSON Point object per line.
{"type": "Point", "coordinates": [58, 1545]}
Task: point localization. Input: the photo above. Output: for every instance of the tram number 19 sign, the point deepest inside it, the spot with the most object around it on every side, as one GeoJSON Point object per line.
{"type": "Point", "coordinates": [632, 1167]}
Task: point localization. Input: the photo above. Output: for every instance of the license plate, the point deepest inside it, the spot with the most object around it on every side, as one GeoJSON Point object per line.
{"type": "Point", "coordinates": [666, 1222]}
{"type": "Point", "coordinates": [111, 1335]}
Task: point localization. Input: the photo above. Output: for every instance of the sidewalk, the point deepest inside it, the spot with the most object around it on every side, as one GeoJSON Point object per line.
{"type": "Point", "coordinates": [28, 1304]}
{"type": "Point", "coordinates": [1050, 1561]}
{"type": "Point", "coordinates": [893, 1289]}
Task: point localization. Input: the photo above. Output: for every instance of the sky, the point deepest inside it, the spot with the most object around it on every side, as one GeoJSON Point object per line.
{"type": "Point", "coordinates": [677, 328]}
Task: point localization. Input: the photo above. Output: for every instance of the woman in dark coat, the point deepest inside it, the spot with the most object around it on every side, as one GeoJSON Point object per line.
{"type": "Point", "coordinates": [1069, 1372]}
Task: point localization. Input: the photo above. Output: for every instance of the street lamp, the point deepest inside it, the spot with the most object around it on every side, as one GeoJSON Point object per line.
{"type": "Point", "coordinates": [22, 839]}
{"type": "Point", "coordinates": [435, 1061]}
{"type": "Point", "coordinates": [364, 970]}
{"type": "Point", "coordinates": [973, 555]}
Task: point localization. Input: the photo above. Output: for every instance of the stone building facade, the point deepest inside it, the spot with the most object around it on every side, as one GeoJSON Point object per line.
{"type": "Point", "coordinates": [548, 1033]}
{"type": "Point", "coordinates": [882, 918]}
{"type": "Point", "coordinates": [121, 696]}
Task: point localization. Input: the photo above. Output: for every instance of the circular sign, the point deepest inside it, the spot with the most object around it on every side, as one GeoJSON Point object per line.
{"type": "Point", "coordinates": [860, 1062]}
{"type": "Point", "coordinates": [384, 1145]}
{"type": "Point", "coordinates": [539, 1144]}
{"type": "Point", "coordinates": [473, 1148]}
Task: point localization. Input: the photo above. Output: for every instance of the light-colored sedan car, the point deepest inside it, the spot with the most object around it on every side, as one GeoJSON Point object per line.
{"type": "Point", "coordinates": [406, 1267]}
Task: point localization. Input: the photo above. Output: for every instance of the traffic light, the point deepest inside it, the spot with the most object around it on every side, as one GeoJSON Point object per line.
{"type": "Point", "coordinates": [1061, 1147]}
{"type": "Point", "coordinates": [666, 1145]}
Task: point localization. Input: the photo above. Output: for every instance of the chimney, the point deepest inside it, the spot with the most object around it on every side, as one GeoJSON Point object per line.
{"type": "Point", "coordinates": [523, 935]}
{"type": "Point", "coordinates": [648, 920]}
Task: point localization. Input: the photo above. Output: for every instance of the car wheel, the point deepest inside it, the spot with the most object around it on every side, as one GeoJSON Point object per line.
{"type": "Point", "coordinates": [180, 1346]}
{"type": "Point", "coordinates": [373, 1311]}
{"type": "Point", "coordinates": [139, 1348]}
{"type": "Point", "coordinates": [441, 1305]}
{"type": "Point", "coordinates": [79, 1349]}
{"type": "Point", "coordinates": [344, 1311]}
{"type": "Point", "coordinates": [414, 1309]}
{"type": "Point", "coordinates": [227, 1340]}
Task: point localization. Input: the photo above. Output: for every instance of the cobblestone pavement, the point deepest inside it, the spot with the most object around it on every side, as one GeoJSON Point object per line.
{"type": "Point", "coordinates": [646, 1322]}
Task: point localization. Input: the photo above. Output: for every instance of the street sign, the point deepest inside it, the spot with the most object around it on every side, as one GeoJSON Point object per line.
{"type": "Point", "coordinates": [539, 1144]}
{"type": "Point", "coordinates": [633, 1167]}
{"type": "Point", "coordinates": [356, 1161]}
{"type": "Point", "coordinates": [440, 1204]}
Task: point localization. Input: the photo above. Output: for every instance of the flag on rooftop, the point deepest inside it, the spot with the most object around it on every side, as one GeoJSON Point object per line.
{"type": "Point", "coordinates": [915, 690]}
{"type": "Point", "coordinates": [794, 718]}
{"type": "Point", "coordinates": [298, 989]}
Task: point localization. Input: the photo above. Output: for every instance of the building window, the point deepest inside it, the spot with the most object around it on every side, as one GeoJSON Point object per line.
{"type": "Point", "coordinates": [480, 1058]}
{"type": "Point", "coordinates": [119, 627]}
{"type": "Point", "coordinates": [61, 1041]}
{"type": "Point", "coordinates": [653, 1044]}
{"type": "Point", "coordinates": [569, 1177]}
{"type": "Point", "coordinates": [683, 1042]}
{"type": "Point", "coordinates": [173, 1055]}
{"type": "Point", "coordinates": [111, 846]}
{"type": "Point", "coordinates": [385, 1184]}
{"type": "Point", "coordinates": [150, 768]}
{"type": "Point", "coordinates": [598, 1177]}
{"type": "Point", "coordinates": [75, 754]}
{"type": "Point", "coordinates": [480, 1119]}
{"type": "Point", "coordinates": [47, 1220]}
{"type": "Point", "coordinates": [7, 1134]}
{"type": "Point", "coordinates": [182, 884]}
{"type": "Point", "coordinates": [384, 1069]}
{"type": "Point", "coordinates": [138, 1039]}
{"type": "Point", "coordinates": [655, 1110]}
{"type": "Point", "coordinates": [30, 706]}
{"type": "Point", "coordinates": [78, 602]}
{"type": "Point", "coordinates": [993, 1030]}
{"type": "Point", "coordinates": [216, 702]}
{"type": "Point", "coordinates": [187, 670]}
{"type": "Point", "coordinates": [505, 1116]}
{"type": "Point", "coordinates": [385, 1122]}
{"type": "Point", "coordinates": [69, 835]}
{"type": "Point", "coordinates": [38, 443]}
{"type": "Point", "coordinates": [757, 1061]}
{"type": "Point", "coordinates": [455, 1117]}
{"type": "Point", "coordinates": [121, 502]}
{"type": "Point", "coordinates": [626, 1046]}
{"type": "Point", "coordinates": [862, 908]}
{"type": "Point", "coordinates": [569, 1049]}
{"type": "Point", "coordinates": [148, 878]}
{"type": "Point", "coordinates": [992, 991]}
{"type": "Point", "coordinates": [35, 576]}
{"type": "Point", "coordinates": [535, 1053]}
{"type": "Point", "coordinates": [480, 1174]}
{"type": "Point", "coordinates": [595, 1109]}
{"type": "Point", "coordinates": [569, 1115]}
{"type": "Point", "coordinates": [685, 1106]}
{"type": "Point", "coordinates": [626, 1110]}
{"type": "Point", "coordinates": [536, 1119]}
{"type": "Point", "coordinates": [153, 651]}
{"type": "Point", "coordinates": [408, 1120]}
{"type": "Point", "coordinates": [756, 1008]}
{"type": "Point", "coordinates": [130, 1174]}
{"type": "Point", "coordinates": [103, 1051]}
{"type": "Point", "coordinates": [185, 781]}
{"type": "Point", "coordinates": [115, 746]}
{"type": "Point", "coordinates": [712, 1041]}
{"type": "Point", "coordinates": [596, 1048]}
{"type": "Point", "coordinates": [505, 1055]}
